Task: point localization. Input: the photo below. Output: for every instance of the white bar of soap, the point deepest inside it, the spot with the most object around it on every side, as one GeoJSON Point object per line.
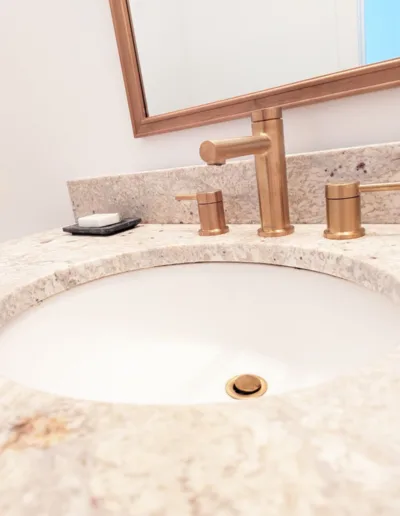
{"type": "Point", "coordinates": [98, 220]}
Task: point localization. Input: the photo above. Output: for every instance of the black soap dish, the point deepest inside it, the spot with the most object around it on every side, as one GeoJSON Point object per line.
{"type": "Point", "coordinates": [112, 229]}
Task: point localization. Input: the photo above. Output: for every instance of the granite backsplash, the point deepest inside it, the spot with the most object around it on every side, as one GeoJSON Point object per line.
{"type": "Point", "coordinates": [150, 195]}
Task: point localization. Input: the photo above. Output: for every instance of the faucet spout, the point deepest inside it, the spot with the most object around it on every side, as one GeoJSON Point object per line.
{"type": "Point", "coordinates": [268, 147]}
{"type": "Point", "coordinates": [216, 152]}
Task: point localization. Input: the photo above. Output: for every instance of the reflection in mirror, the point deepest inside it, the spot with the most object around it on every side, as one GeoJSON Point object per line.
{"type": "Point", "coordinates": [194, 52]}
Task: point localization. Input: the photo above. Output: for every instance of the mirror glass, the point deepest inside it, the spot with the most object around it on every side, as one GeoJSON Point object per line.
{"type": "Point", "coordinates": [193, 52]}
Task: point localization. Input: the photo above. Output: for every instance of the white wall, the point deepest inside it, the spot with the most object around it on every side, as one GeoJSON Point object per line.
{"type": "Point", "coordinates": [63, 113]}
{"type": "Point", "coordinates": [198, 51]}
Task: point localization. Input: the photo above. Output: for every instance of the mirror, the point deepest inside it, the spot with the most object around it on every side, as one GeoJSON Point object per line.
{"type": "Point", "coordinates": [201, 56]}
{"type": "Point", "coordinates": [193, 52]}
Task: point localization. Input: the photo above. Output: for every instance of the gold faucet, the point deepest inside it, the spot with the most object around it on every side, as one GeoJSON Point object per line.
{"type": "Point", "coordinates": [211, 211]}
{"type": "Point", "coordinates": [268, 147]}
{"type": "Point", "coordinates": [343, 208]}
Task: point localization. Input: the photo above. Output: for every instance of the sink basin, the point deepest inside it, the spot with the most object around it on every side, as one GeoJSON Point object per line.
{"type": "Point", "coordinates": [177, 334]}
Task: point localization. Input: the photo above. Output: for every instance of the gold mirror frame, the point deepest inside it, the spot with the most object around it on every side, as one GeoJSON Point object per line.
{"type": "Point", "coordinates": [363, 79]}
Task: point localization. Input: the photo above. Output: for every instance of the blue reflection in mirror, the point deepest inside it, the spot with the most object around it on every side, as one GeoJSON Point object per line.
{"type": "Point", "coordinates": [382, 30]}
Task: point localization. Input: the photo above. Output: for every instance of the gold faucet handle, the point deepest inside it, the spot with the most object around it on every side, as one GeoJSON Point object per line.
{"type": "Point", "coordinates": [343, 208]}
{"type": "Point", "coordinates": [202, 197]}
{"type": "Point", "coordinates": [186, 197]}
{"type": "Point", "coordinates": [211, 211]}
{"type": "Point", "coordinates": [216, 152]}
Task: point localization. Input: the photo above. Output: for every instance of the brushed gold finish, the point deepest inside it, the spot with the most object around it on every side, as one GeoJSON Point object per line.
{"type": "Point", "coordinates": [268, 147]}
{"type": "Point", "coordinates": [266, 114]}
{"type": "Point", "coordinates": [216, 152]}
{"type": "Point", "coordinates": [246, 386]}
{"type": "Point", "coordinates": [343, 211]}
{"type": "Point", "coordinates": [343, 219]}
{"type": "Point", "coordinates": [186, 197]}
{"type": "Point", "coordinates": [211, 211]}
{"type": "Point", "coordinates": [380, 187]}
{"type": "Point", "coordinates": [342, 190]}
{"type": "Point", "coordinates": [354, 81]}
{"type": "Point", "coordinates": [343, 208]}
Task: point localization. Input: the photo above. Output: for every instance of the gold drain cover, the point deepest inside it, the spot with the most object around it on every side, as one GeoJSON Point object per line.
{"type": "Point", "coordinates": [246, 386]}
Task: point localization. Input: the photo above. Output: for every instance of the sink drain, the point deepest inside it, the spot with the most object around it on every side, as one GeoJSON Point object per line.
{"type": "Point", "coordinates": [246, 386]}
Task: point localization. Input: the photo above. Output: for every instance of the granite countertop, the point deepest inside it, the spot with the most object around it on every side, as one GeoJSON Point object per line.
{"type": "Point", "coordinates": [331, 450]}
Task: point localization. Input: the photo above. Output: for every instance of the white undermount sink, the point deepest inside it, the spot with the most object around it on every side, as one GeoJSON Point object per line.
{"type": "Point", "coordinates": [176, 334]}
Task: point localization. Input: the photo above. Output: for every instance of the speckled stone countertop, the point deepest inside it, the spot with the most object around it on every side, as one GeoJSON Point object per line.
{"type": "Point", "coordinates": [150, 195]}
{"type": "Point", "coordinates": [331, 450]}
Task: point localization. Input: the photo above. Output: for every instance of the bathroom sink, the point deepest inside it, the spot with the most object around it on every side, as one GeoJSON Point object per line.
{"type": "Point", "coordinates": [177, 334]}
